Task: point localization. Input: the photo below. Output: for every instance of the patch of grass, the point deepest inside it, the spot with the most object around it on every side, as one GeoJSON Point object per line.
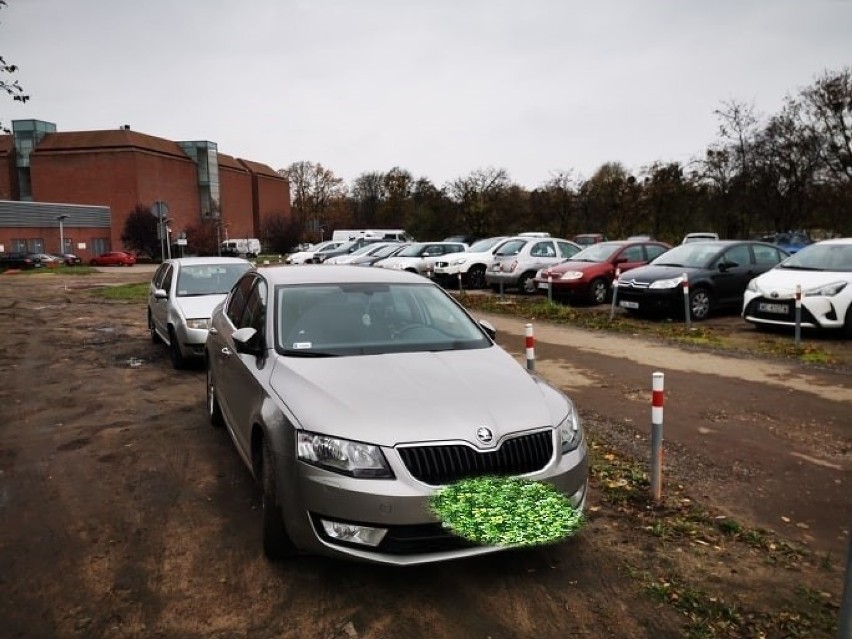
{"type": "Point", "coordinates": [137, 292]}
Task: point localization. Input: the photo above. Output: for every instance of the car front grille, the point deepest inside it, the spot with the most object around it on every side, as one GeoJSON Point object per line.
{"type": "Point", "coordinates": [444, 464]}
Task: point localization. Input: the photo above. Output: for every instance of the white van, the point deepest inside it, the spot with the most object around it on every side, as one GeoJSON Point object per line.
{"type": "Point", "coordinates": [391, 235]}
{"type": "Point", "coordinates": [245, 247]}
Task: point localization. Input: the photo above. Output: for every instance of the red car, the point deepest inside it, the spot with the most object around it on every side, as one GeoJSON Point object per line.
{"type": "Point", "coordinates": [588, 274]}
{"type": "Point", "coordinates": [113, 258]}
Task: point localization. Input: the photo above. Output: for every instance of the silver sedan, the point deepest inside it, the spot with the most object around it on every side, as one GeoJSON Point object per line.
{"type": "Point", "coordinates": [354, 394]}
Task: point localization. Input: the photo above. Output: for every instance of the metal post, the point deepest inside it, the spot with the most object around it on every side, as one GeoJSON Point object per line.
{"type": "Point", "coordinates": [529, 344]}
{"type": "Point", "coordinates": [686, 311]}
{"type": "Point", "coordinates": [501, 289]}
{"type": "Point", "coordinates": [614, 294]}
{"type": "Point", "coordinates": [461, 289]}
{"type": "Point", "coordinates": [61, 219]}
{"type": "Point", "coordinates": [550, 288]}
{"type": "Point", "coordinates": [846, 599]}
{"type": "Point", "coordinates": [798, 315]}
{"type": "Point", "coordinates": [657, 435]}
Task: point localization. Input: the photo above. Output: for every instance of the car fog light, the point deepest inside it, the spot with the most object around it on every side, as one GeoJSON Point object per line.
{"type": "Point", "coordinates": [353, 533]}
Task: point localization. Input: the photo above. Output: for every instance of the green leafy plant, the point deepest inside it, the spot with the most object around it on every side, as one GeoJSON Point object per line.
{"type": "Point", "coordinates": [506, 511]}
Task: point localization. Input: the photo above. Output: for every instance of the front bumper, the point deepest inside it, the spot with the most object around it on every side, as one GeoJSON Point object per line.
{"type": "Point", "coordinates": [401, 505]}
{"type": "Point", "coordinates": [816, 311]}
{"type": "Point", "coordinates": [192, 340]}
{"type": "Point", "coordinates": [664, 301]}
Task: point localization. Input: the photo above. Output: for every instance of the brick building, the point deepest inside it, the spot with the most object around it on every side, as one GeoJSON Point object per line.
{"type": "Point", "coordinates": [121, 169]}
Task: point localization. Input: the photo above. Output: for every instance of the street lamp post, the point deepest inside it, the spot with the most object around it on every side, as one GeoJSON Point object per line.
{"type": "Point", "coordinates": [61, 219]}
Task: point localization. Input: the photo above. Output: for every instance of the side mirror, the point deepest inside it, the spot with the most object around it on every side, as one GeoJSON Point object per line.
{"type": "Point", "coordinates": [724, 266]}
{"type": "Point", "coordinates": [246, 341]}
{"type": "Point", "coordinates": [489, 329]}
{"type": "Point", "coordinates": [161, 294]}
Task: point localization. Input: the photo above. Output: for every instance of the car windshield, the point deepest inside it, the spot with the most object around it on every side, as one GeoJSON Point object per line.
{"type": "Point", "coordinates": [390, 249]}
{"type": "Point", "coordinates": [821, 257]}
{"type": "Point", "coordinates": [209, 279]}
{"type": "Point", "coordinates": [323, 320]}
{"type": "Point", "coordinates": [692, 254]}
{"type": "Point", "coordinates": [484, 245]}
{"type": "Point", "coordinates": [412, 251]}
{"type": "Point", "coordinates": [512, 247]}
{"type": "Point", "coordinates": [596, 252]}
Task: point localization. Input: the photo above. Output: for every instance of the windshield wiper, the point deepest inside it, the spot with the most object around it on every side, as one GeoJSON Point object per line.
{"type": "Point", "coordinates": [667, 264]}
{"type": "Point", "coordinates": [306, 353]}
{"type": "Point", "coordinates": [793, 267]}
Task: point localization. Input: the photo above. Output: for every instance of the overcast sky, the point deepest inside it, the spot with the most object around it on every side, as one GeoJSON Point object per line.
{"type": "Point", "coordinates": [438, 87]}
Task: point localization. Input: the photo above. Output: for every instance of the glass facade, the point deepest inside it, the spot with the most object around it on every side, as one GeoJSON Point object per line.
{"type": "Point", "coordinates": [27, 134]}
{"type": "Point", "coordinates": [206, 157]}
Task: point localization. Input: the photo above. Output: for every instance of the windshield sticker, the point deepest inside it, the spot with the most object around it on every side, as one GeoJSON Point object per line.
{"type": "Point", "coordinates": [301, 345]}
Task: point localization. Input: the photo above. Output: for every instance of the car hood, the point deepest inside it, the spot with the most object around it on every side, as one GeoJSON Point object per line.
{"type": "Point", "coordinates": [198, 306]}
{"type": "Point", "coordinates": [400, 262]}
{"type": "Point", "coordinates": [413, 397]}
{"type": "Point", "coordinates": [652, 273]}
{"type": "Point", "coordinates": [784, 280]}
{"type": "Point", "coordinates": [570, 265]}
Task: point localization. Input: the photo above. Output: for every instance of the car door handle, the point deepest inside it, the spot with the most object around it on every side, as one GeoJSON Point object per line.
{"type": "Point", "coordinates": [212, 330]}
{"type": "Point", "coordinates": [227, 352]}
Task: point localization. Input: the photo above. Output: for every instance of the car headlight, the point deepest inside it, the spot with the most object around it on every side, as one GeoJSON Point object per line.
{"type": "Point", "coordinates": [826, 290]}
{"type": "Point", "coordinates": [571, 275]}
{"type": "Point", "coordinates": [200, 323]}
{"type": "Point", "coordinates": [570, 431]}
{"type": "Point", "coordinates": [672, 282]}
{"type": "Point", "coordinates": [459, 262]}
{"type": "Point", "coordinates": [355, 459]}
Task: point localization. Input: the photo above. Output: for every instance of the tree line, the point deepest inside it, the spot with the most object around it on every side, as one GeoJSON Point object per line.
{"type": "Point", "coordinates": [791, 170]}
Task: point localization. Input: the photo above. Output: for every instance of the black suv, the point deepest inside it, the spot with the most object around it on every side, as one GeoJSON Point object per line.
{"type": "Point", "coordinates": [16, 260]}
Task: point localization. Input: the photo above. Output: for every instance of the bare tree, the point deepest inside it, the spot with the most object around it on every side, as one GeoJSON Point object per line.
{"type": "Point", "coordinates": [368, 191]}
{"type": "Point", "coordinates": [476, 195]}
{"type": "Point", "coordinates": [11, 87]}
{"type": "Point", "coordinates": [827, 114]}
{"type": "Point", "coordinates": [313, 191]}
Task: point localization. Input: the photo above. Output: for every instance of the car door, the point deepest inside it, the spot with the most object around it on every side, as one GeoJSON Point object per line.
{"type": "Point", "coordinates": [732, 271]}
{"type": "Point", "coordinates": [160, 307]}
{"type": "Point", "coordinates": [630, 257]}
{"type": "Point", "coordinates": [238, 376]}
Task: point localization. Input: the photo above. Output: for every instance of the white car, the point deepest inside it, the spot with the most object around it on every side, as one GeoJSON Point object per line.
{"type": "Point", "coordinates": [367, 249]}
{"type": "Point", "coordinates": [309, 256]}
{"type": "Point", "coordinates": [823, 274]}
{"type": "Point", "coordinates": [471, 265]}
{"type": "Point", "coordinates": [420, 257]}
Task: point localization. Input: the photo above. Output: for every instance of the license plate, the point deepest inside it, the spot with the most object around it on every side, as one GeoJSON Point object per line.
{"type": "Point", "coordinates": [628, 304]}
{"type": "Point", "coordinates": [543, 285]}
{"type": "Point", "coordinates": [781, 309]}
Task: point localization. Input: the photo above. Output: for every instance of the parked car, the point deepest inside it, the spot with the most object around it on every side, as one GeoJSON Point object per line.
{"type": "Point", "coordinates": [823, 273]}
{"type": "Point", "coordinates": [517, 261]}
{"type": "Point", "coordinates": [717, 274]}
{"type": "Point", "coordinates": [464, 239]}
{"type": "Point", "coordinates": [307, 256]}
{"type": "Point", "coordinates": [18, 261]}
{"type": "Point", "coordinates": [420, 257]}
{"type": "Point", "coordinates": [372, 259]}
{"type": "Point", "coordinates": [349, 393]}
{"type": "Point", "coordinates": [345, 249]}
{"type": "Point", "coordinates": [699, 236]}
{"type": "Point", "coordinates": [791, 242]}
{"type": "Point", "coordinates": [181, 298]}
{"type": "Point", "coordinates": [471, 264]}
{"type": "Point", "coordinates": [368, 249]}
{"type": "Point", "coordinates": [590, 273]}
{"type": "Point", "coordinates": [586, 239]}
{"type": "Point", "coordinates": [69, 259]}
{"type": "Point", "coordinates": [114, 258]}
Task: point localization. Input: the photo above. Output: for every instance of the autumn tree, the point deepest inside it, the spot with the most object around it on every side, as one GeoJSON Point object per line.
{"type": "Point", "coordinates": [280, 233]}
{"type": "Point", "coordinates": [367, 193]}
{"type": "Point", "coordinates": [313, 190]}
{"type": "Point", "coordinates": [476, 195]}
{"type": "Point", "coordinates": [827, 115]}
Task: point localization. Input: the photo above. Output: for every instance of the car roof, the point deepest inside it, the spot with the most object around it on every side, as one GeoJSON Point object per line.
{"type": "Point", "coordinates": [334, 274]}
{"type": "Point", "coordinates": [213, 259]}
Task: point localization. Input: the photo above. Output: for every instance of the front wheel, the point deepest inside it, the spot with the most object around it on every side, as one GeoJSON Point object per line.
{"type": "Point", "coordinates": [847, 325]}
{"type": "Point", "coordinates": [155, 339]}
{"type": "Point", "coordinates": [276, 542]}
{"type": "Point", "coordinates": [178, 360]}
{"type": "Point", "coordinates": [476, 277]}
{"type": "Point", "coordinates": [699, 303]}
{"type": "Point", "coordinates": [598, 291]}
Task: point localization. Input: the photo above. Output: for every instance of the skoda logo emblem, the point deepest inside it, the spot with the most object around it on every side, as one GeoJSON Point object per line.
{"type": "Point", "coordinates": [774, 294]}
{"type": "Point", "coordinates": [484, 435]}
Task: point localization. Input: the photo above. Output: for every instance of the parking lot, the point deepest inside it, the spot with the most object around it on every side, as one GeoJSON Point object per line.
{"type": "Point", "coordinates": [126, 515]}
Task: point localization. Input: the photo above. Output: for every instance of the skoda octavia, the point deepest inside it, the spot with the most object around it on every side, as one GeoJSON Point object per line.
{"type": "Point", "coordinates": [354, 394]}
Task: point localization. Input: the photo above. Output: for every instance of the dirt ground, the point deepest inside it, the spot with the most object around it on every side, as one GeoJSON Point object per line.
{"type": "Point", "coordinates": [124, 514]}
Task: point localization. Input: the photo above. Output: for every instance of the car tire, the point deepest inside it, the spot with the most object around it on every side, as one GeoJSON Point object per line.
{"type": "Point", "coordinates": [476, 276]}
{"type": "Point", "coordinates": [700, 303]}
{"type": "Point", "coordinates": [178, 360]}
{"type": "Point", "coordinates": [526, 283]}
{"type": "Point", "coordinates": [214, 411]}
{"type": "Point", "coordinates": [276, 543]}
{"type": "Point", "coordinates": [847, 325]}
{"type": "Point", "coordinates": [598, 291]}
{"type": "Point", "coordinates": [155, 338]}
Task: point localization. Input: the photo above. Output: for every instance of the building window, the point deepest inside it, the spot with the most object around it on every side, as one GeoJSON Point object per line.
{"type": "Point", "coordinates": [100, 245]}
{"type": "Point", "coordinates": [18, 246]}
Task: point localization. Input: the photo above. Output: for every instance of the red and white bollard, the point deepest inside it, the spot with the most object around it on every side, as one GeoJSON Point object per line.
{"type": "Point", "coordinates": [657, 435]}
{"type": "Point", "coordinates": [529, 345]}
{"type": "Point", "coordinates": [798, 316]}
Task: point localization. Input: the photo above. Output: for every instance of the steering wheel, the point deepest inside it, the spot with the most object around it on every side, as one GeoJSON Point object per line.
{"type": "Point", "coordinates": [399, 332]}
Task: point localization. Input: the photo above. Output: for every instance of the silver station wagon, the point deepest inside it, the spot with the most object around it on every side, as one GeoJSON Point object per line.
{"type": "Point", "coordinates": [354, 394]}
